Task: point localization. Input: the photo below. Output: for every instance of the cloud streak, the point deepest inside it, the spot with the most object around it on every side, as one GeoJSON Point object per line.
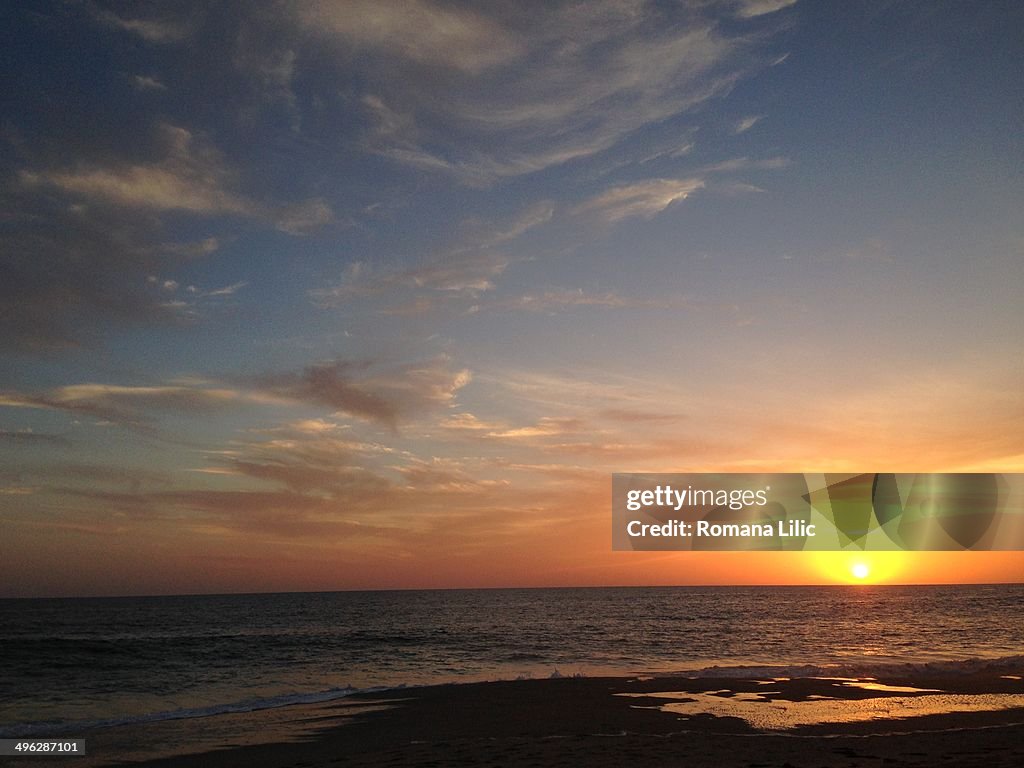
{"type": "Point", "coordinates": [524, 92]}
{"type": "Point", "coordinates": [467, 269]}
{"type": "Point", "coordinates": [644, 199]}
{"type": "Point", "coordinates": [191, 177]}
{"type": "Point", "coordinates": [385, 397]}
{"type": "Point", "coordinates": [420, 32]}
{"type": "Point", "coordinates": [748, 9]}
{"type": "Point", "coordinates": [464, 275]}
{"type": "Point", "coordinates": [123, 404]}
{"type": "Point", "coordinates": [560, 300]}
{"type": "Point", "coordinates": [747, 123]}
{"type": "Point", "coordinates": [381, 395]}
{"type": "Point", "coordinates": [159, 31]}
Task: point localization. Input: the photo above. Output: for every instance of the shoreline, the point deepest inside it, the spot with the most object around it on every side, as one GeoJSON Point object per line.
{"type": "Point", "coordinates": [862, 668]}
{"type": "Point", "coordinates": [651, 720]}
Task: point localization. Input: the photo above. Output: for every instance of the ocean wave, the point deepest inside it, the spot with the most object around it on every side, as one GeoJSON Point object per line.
{"type": "Point", "coordinates": [24, 730]}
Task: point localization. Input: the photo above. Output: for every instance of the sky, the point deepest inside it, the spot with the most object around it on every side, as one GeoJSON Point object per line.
{"type": "Point", "coordinates": [314, 294]}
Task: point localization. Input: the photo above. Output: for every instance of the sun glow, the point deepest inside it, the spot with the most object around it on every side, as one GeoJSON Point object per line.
{"type": "Point", "coordinates": [864, 567]}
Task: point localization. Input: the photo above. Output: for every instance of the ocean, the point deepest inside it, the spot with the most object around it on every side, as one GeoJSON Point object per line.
{"type": "Point", "coordinates": [74, 663]}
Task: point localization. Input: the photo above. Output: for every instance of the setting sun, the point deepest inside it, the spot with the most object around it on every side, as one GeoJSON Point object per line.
{"type": "Point", "coordinates": [862, 567]}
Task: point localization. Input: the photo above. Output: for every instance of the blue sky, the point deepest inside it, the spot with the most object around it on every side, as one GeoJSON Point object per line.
{"type": "Point", "coordinates": [292, 292]}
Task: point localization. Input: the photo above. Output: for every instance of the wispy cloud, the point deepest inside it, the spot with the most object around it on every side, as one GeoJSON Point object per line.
{"type": "Point", "coordinates": [644, 199]}
{"type": "Point", "coordinates": [525, 93]}
{"type": "Point", "coordinates": [306, 461]}
{"type": "Point", "coordinates": [269, 65]}
{"type": "Point", "coordinates": [303, 218]}
{"type": "Point", "coordinates": [227, 290]}
{"type": "Point", "coordinates": [736, 164]}
{"type": "Point", "coordinates": [384, 396]}
{"type": "Point", "coordinates": [316, 486]}
{"type": "Point", "coordinates": [556, 300]}
{"type": "Point", "coordinates": [147, 83]}
{"type": "Point", "coordinates": [748, 9]}
{"type": "Point", "coordinates": [531, 217]}
{"type": "Point", "coordinates": [189, 303]}
{"type": "Point", "coordinates": [547, 426]}
{"type": "Point", "coordinates": [467, 422]}
{"type": "Point", "coordinates": [192, 250]}
{"type": "Point", "coordinates": [466, 269]}
{"type": "Point", "coordinates": [649, 197]}
{"type": "Point", "coordinates": [380, 394]}
{"type": "Point", "coordinates": [152, 30]}
{"type": "Point", "coordinates": [464, 275]}
{"type": "Point", "coordinates": [123, 404]}
{"type": "Point", "coordinates": [444, 476]}
{"type": "Point", "coordinates": [422, 32]}
{"type": "Point", "coordinates": [745, 124]}
{"type": "Point", "coordinates": [191, 177]}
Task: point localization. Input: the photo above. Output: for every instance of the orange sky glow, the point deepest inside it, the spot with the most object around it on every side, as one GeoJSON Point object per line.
{"type": "Point", "coordinates": [341, 296]}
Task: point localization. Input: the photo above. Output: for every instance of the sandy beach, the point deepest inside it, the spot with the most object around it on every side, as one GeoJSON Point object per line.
{"type": "Point", "coordinates": [968, 720]}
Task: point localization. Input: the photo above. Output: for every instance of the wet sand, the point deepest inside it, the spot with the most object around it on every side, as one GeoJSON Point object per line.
{"type": "Point", "coordinates": [972, 720]}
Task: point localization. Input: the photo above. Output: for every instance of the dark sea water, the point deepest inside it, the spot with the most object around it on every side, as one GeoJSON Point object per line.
{"type": "Point", "coordinates": [66, 663]}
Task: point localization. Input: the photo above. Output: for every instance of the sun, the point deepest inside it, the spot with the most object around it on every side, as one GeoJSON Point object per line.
{"type": "Point", "coordinates": [864, 567]}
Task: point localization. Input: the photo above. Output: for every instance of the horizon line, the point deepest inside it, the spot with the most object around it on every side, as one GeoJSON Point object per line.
{"type": "Point", "coordinates": [857, 585]}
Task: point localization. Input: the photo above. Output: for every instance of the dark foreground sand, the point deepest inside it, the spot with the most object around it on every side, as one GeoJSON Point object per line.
{"type": "Point", "coordinates": [584, 722]}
